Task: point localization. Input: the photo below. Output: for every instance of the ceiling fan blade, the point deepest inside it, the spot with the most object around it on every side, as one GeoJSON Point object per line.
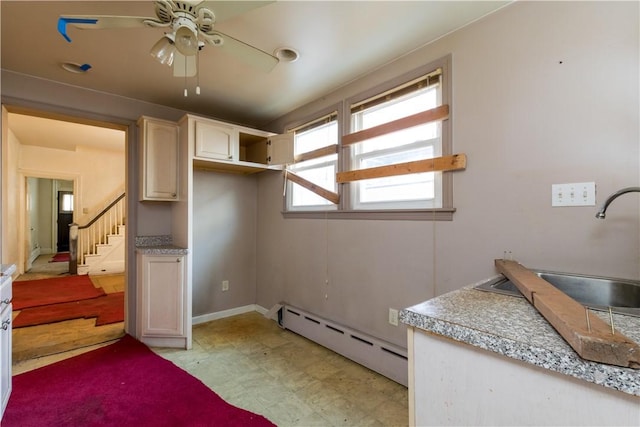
{"type": "Point", "coordinates": [184, 66]}
{"type": "Point", "coordinates": [241, 50]}
{"type": "Point", "coordinates": [225, 10]}
{"type": "Point", "coordinates": [102, 22]}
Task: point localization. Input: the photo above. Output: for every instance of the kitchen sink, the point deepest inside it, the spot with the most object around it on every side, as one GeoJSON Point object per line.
{"type": "Point", "coordinates": [598, 293]}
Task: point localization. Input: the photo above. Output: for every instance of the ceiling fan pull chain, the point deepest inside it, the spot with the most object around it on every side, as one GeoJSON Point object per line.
{"type": "Point", "coordinates": [185, 78]}
{"type": "Point", "coordinates": [198, 71]}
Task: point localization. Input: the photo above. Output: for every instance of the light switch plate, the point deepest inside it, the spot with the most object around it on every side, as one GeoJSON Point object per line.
{"type": "Point", "coordinates": [573, 194]}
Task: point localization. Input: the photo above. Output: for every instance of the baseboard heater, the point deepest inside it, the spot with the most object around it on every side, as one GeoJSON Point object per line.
{"type": "Point", "coordinates": [379, 356]}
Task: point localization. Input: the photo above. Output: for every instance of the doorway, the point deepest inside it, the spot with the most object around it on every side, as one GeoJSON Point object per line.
{"type": "Point", "coordinates": [64, 219]}
{"type": "Point", "coordinates": [85, 170]}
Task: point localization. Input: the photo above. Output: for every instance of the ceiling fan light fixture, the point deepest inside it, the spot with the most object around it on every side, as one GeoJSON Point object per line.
{"type": "Point", "coordinates": [164, 49]}
{"type": "Point", "coordinates": [186, 36]}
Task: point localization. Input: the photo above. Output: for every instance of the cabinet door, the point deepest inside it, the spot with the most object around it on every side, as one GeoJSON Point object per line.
{"type": "Point", "coordinates": [280, 149]}
{"type": "Point", "coordinates": [160, 157]}
{"type": "Point", "coordinates": [5, 356]}
{"type": "Point", "coordinates": [163, 296]}
{"type": "Point", "coordinates": [213, 141]}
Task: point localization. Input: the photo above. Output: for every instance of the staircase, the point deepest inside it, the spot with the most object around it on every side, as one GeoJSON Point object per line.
{"type": "Point", "coordinates": [99, 247]}
{"type": "Point", "coordinates": [108, 257]}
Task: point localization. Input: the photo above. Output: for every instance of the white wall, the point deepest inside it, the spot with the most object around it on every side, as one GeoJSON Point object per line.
{"type": "Point", "coordinates": [543, 93]}
{"type": "Point", "coordinates": [45, 214]}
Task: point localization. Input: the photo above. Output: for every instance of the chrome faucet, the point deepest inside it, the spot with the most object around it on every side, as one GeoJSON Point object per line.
{"type": "Point", "coordinates": [611, 198]}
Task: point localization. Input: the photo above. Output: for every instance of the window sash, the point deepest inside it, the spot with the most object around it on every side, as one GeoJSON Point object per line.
{"type": "Point", "coordinates": [409, 191]}
{"type": "Point", "coordinates": [299, 198]}
{"type": "Point", "coordinates": [414, 142]}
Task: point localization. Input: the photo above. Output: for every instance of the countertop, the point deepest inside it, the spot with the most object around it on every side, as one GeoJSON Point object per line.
{"type": "Point", "coordinates": [161, 250]}
{"type": "Point", "coordinates": [512, 327]}
{"type": "Point", "coordinates": [158, 245]}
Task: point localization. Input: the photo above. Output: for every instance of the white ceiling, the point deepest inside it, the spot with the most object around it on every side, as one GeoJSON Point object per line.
{"type": "Point", "coordinates": [62, 135]}
{"type": "Point", "coordinates": [338, 41]}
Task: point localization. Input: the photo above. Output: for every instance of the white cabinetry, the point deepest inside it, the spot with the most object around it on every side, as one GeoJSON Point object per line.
{"type": "Point", "coordinates": [159, 159]}
{"type": "Point", "coordinates": [163, 312]}
{"type": "Point", "coordinates": [228, 148]}
{"type": "Point", "coordinates": [272, 151]}
{"type": "Point", "coordinates": [215, 141]}
{"type": "Point", "coordinates": [5, 341]}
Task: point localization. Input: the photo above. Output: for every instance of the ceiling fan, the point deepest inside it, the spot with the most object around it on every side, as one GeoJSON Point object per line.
{"type": "Point", "coordinates": [189, 27]}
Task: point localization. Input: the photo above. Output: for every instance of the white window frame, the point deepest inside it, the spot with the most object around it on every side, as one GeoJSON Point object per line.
{"type": "Point", "coordinates": [358, 151]}
{"type": "Point", "coordinates": [345, 209]}
{"type": "Point", "coordinates": [317, 163]}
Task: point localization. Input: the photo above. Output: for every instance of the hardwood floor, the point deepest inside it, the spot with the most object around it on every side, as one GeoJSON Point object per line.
{"type": "Point", "coordinates": [37, 341]}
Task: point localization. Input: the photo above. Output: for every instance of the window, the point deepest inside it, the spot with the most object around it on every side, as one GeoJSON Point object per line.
{"type": "Point", "coordinates": [388, 164]}
{"type": "Point", "coordinates": [67, 202]}
{"type": "Point", "coordinates": [315, 145]}
{"type": "Point", "coordinates": [413, 191]}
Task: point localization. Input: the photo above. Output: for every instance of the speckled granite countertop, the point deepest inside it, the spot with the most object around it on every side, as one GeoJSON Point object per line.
{"type": "Point", "coordinates": [512, 327]}
{"type": "Point", "coordinates": [158, 245]}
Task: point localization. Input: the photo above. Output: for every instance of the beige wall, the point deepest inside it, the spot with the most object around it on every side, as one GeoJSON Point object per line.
{"type": "Point", "coordinates": [224, 241]}
{"type": "Point", "coordinates": [100, 172]}
{"type": "Point", "coordinates": [10, 200]}
{"type": "Point", "coordinates": [543, 93]}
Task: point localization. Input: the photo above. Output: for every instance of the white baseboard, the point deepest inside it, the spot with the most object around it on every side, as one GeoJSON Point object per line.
{"type": "Point", "coordinates": [227, 313]}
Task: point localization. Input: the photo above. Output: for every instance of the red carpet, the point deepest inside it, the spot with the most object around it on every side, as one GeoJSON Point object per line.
{"type": "Point", "coordinates": [60, 257]}
{"type": "Point", "coordinates": [34, 293]}
{"type": "Point", "coordinates": [123, 384]}
{"type": "Point", "coordinates": [107, 309]}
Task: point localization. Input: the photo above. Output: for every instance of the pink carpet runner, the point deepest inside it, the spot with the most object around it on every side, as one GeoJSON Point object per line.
{"type": "Point", "coordinates": [123, 384]}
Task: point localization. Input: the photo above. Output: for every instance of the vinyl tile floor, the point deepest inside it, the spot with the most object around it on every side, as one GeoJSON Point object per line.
{"type": "Point", "coordinates": [254, 364]}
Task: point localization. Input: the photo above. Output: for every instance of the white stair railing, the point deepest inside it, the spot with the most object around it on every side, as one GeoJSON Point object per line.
{"type": "Point", "coordinates": [84, 240]}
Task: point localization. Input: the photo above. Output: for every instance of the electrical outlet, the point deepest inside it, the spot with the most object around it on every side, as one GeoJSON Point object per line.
{"type": "Point", "coordinates": [225, 285]}
{"type": "Point", "coordinates": [393, 316]}
{"type": "Point", "coordinates": [575, 194]}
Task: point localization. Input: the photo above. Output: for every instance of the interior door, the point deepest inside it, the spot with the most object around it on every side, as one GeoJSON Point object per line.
{"type": "Point", "coordinates": [65, 218]}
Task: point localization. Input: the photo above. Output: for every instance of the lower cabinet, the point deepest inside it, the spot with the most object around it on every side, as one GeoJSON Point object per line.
{"type": "Point", "coordinates": [5, 342]}
{"type": "Point", "coordinates": [162, 301]}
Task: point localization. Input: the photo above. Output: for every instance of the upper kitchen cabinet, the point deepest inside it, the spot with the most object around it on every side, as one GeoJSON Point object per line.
{"type": "Point", "coordinates": [215, 141]}
{"type": "Point", "coordinates": [159, 159]}
{"type": "Point", "coordinates": [223, 147]}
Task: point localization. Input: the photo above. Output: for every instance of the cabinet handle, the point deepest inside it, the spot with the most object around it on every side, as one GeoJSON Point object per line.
{"type": "Point", "coordinates": [5, 324]}
{"type": "Point", "coordinates": [178, 260]}
{"type": "Point", "coordinates": [5, 301]}
{"type": "Point", "coordinates": [173, 195]}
